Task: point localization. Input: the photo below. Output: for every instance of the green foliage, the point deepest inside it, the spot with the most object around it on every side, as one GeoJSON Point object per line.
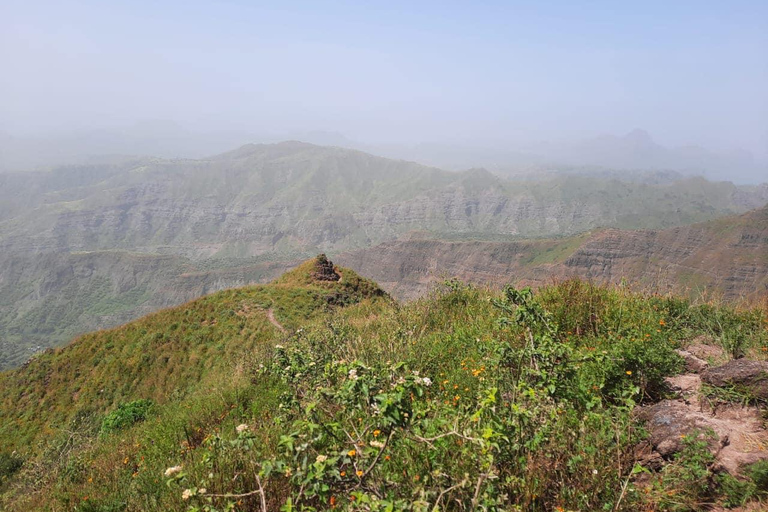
{"type": "Point", "coordinates": [61, 295]}
{"type": "Point", "coordinates": [10, 463]}
{"type": "Point", "coordinates": [758, 473]}
{"type": "Point", "coordinates": [126, 415]}
{"type": "Point", "coordinates": [690, 476]}
{"type": "Point", "coordinates": [465, 399]}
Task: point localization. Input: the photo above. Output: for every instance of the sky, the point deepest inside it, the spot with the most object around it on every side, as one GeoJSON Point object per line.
{"type": "Point", "coordinates": [689, 72]}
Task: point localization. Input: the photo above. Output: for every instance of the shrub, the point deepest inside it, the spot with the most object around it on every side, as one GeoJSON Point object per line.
{"type": "Point", "coordinates": [758, 473]}
{"type": "Point", "coordinates": [126, 415]}
{"type": "Point", "coordinates": [10, 463]}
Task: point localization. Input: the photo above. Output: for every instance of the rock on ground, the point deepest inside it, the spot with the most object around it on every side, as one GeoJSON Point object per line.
{"type": "Point", "coordinates": [740, 434]}
{"type": "Point", "coordinates": [750, 375]}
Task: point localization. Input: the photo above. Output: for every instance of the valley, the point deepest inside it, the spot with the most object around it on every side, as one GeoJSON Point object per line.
{"type": "Point", "coordinates": [93, 246]}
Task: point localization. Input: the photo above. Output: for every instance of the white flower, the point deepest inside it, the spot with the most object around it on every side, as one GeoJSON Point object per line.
{"type": "Point", "coordinates": [202, 490]}
{"type": "Point", "coordinates": [242, 428]}
{"type": "Point", "coordinates": [594, 471]}
{"type": "Point", "coordinates": [186, 494]}
{"type": "Point", "coordinates": [426, 381]}
{"type": "Point", "coordinates": [279, 347]}
{"type": "Point", "coordinates": [321, 458]}
{"type": "Point", "coordinates": [172, 470]}
{"type": "Point", "coordinates": [377, 444]}
{"type": "Point", "coordinates": [353, 374]}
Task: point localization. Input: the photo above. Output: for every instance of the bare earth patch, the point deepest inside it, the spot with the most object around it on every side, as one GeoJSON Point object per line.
{"type": "Point", "coordinates": [741, 435]}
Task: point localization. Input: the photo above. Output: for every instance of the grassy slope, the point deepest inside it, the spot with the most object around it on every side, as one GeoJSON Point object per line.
{"type": "Point", "coordinates": [204, 366]}
{"type": "Point", "coordinates": [173, 351]}
{"type": "Point", "coordinates": [47, 299]}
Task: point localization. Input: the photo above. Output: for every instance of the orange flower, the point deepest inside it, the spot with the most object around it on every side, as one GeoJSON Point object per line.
{"type": "Point", "coordinates": [629, 372]}
{"type": "Point", "coordinates": [351, 453]}
{"type": "Point", "coordinates": [343, 473]}
{"type": "Point", "coordinates": [376, 433]}
{"type": "Point", "coordinates": [359, 472]}
{"type": "Point", "coordinates": [333, 501]}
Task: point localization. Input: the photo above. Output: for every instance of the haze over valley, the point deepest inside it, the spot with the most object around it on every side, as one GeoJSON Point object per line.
{"type": "Point", "coordinates": [383, 256]}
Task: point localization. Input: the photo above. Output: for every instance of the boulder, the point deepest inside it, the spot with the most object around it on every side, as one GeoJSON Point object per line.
{"type": "Point", "coordinates": [749, 375]}
{"type": "Point", "coordinates": [738, 434]}
{"type": "Point", "coordinates": [668, 422]}
{"type": "Point", "coordinates": [692, 363]}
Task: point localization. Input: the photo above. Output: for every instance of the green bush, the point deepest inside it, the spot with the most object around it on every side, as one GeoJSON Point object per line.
{"type": "Point", "coordinates": [10, 463]}
{"type": "Point", "coordinates": [758, 473]}
{"type": "Point", "coordinates": [126, 415]}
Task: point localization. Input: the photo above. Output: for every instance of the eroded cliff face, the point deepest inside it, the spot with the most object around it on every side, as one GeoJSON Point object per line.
{"type": "Point", "coordinates": [304, 198]}
{"type": "Point", "coordinates": [727, 257]}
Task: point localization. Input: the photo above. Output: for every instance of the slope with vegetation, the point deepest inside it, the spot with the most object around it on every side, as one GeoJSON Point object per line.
{"type": "Point", "coordinates": [318, 392]}
{"type": "Point", "coordinates": [91, 246]}
{"type": "Point", "coordinates": [47, 299]}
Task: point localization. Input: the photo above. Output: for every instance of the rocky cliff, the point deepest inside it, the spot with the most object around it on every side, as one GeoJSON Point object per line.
{"type": "Point", "coordinates": [727, 257]}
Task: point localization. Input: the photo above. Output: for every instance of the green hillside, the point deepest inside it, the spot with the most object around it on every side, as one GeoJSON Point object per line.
{"type": "Point", "coordinates": [318, 391]}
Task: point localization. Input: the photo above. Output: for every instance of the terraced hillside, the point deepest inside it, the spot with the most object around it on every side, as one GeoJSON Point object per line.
{"type": "Point", "coordinates": [293, 196]}
{"type": "Point", "coordinates": [727, 257]}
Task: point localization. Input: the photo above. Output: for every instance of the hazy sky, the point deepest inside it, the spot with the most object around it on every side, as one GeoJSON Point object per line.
{"type": "Point", "coordinates": [688, 72]}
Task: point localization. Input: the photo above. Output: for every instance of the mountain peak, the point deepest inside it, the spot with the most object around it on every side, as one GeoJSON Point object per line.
{"type": "Point", "coordinates": [321, 272]}
{"type": "Point", "coordinates": [639, 136]}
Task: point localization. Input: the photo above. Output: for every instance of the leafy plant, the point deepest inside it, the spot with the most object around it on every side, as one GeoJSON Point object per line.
{"type": "Point", "coordinates": [126, 415]}
{"type": "Point", "coordinates": [10, 463]}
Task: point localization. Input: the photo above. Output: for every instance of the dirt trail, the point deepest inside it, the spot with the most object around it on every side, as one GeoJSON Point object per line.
{"type": "Point", "coordinates": [273, 320]}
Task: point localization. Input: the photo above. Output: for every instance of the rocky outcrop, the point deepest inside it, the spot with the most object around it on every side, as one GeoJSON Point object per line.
{"type": "Point", "coordinates": [744, 374]}
{"type": "Point", "coordinates": [324, 270]}
{"type": "Point", "coordinates": [735, 433]}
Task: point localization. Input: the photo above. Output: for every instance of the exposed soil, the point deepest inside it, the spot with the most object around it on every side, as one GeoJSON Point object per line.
{"type": "Point", "coordinates": [741, 437]}
{"type": "Point", "coordinates": [273, 320]}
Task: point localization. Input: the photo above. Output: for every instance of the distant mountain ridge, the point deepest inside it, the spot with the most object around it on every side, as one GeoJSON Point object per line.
{"type": "Point", "coordinates": [726, 257]}
{"type": "Point", "coordinates": [297, 196]}
{"type": "Point", "coordinates": [635, 151]}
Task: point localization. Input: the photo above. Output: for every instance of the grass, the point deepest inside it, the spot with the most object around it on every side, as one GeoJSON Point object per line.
{"type": "Point", "coordinates": [468, 398]}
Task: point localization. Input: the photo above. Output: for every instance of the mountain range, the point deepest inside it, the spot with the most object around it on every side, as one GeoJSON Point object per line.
{"type": "Point", "coordinates": [85, 247]}
{"type": "Point", "coordinates": [634, 152]}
